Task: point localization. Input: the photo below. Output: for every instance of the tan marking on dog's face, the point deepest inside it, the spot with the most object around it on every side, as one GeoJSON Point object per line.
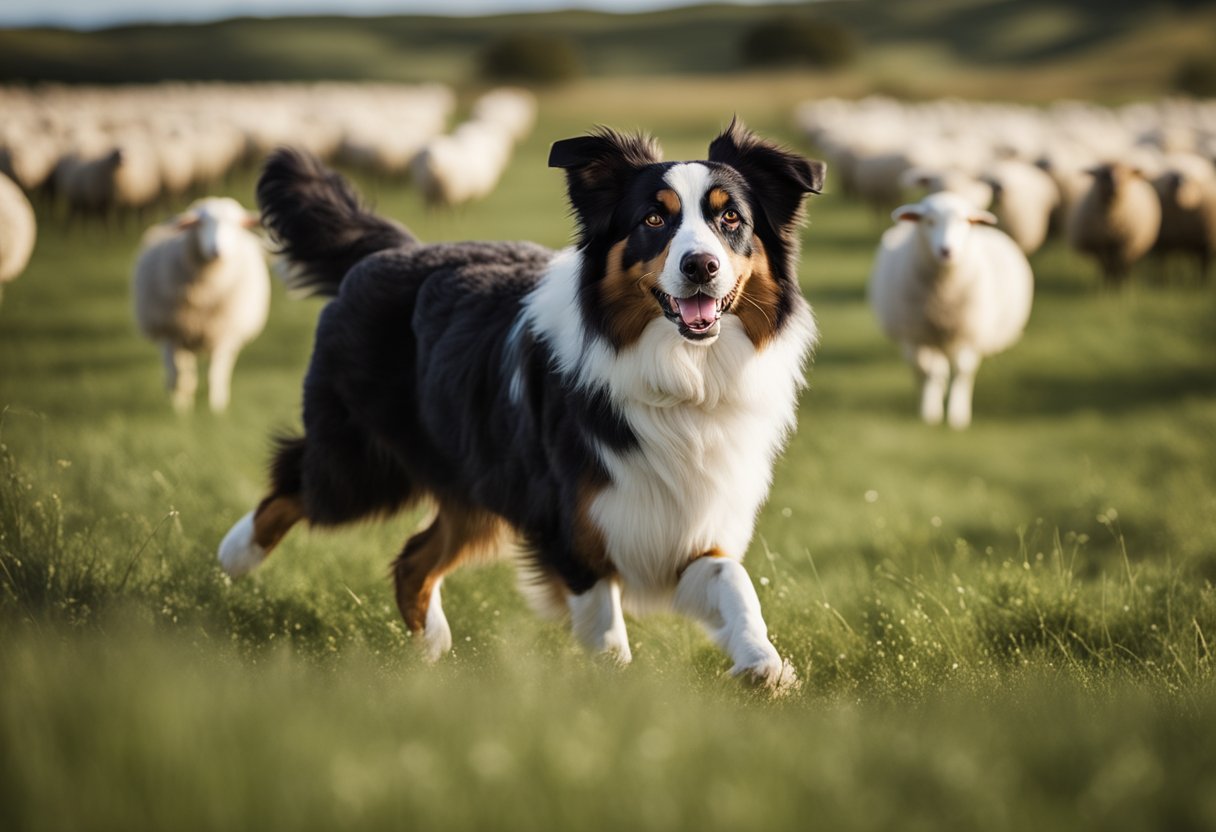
{"type": "Point", "coordinates": [758, 295]}
{"type": "Point", "coordinates": [717, 199]}
{"type": "Point", "coordinates": [627, 296]}
{"type": "Point", "coordinates": [669, 200]}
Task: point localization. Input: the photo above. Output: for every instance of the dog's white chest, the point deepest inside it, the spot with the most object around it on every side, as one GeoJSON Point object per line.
{"type": "Point", "coordinates": [709, 424]}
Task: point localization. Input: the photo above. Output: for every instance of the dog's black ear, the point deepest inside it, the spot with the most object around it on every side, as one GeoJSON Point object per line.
{"type": "Point", "coordinates": [598, 169]}
{"type": "Point", "coordinates": [778, 177]}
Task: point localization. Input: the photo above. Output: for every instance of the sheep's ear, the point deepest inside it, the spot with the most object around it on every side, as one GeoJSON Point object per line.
{"type": "Point", "coordinates": [598, 169]}
{"type": "Point", "coordinates": [907, 213]}
{"type": "Point", "coordinates": [186, 221]}
{"type": "Point", "coordinates": [982, 218]}
{"type": "Point", "coordinates": [251, 220]}
{"type": "Point", "coordinates": [779, 178]}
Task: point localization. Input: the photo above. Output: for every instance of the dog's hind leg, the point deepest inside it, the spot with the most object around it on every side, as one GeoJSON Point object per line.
{"type": "Point", "coordinates": [253, 537]}
{"type": "Point", "coordinates": [457, 535]}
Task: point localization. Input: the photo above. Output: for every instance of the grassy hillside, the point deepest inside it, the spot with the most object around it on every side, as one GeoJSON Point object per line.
{"type": "Point", "coordinates": [1007, 628]}
{"type": "Point", "coordinates": [1026, 48]}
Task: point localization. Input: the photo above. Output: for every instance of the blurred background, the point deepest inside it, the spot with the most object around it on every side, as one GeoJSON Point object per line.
{"type": "Point", "coordinates": [1029, 50]}
{"type": "Point", "coordinates": [1005, 627]}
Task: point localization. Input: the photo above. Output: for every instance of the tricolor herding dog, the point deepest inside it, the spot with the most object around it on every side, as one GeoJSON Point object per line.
{"type": "Point", "coordinates": [616, 406]}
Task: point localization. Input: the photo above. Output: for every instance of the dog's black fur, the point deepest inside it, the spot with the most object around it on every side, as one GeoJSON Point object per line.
{"type": "Point", "coordinates": [408, 392]}
{"type": "Point", "coordinates": [406, 396]}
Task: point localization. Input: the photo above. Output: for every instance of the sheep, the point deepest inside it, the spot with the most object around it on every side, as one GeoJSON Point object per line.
{"type": "Point", "coordinates": [201, 286]}
{"type": "Point", "coordinates": [1187, 191]}
{"type": "Point", "coordinates": [125, 175]}
{"type": "Point", "coordinates": [1116, 220]}
{"type": "Point", "coordinates": [951, 291]}
{"type": "Point", "coordinates": [1023, 199]}
{"type": "Point", "coordinates": [464, 165]}
{"type": "Point", "coordinates": [512, 109]}
{"type": "Point", "coordinates": [17, 231]}
{"type": "Point", "coordinates": [931, 181]}
{"type": "Point", "coordinates": [27, 158]}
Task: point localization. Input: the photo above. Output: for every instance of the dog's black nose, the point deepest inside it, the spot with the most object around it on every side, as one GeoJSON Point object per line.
{"type": "Point", "coordinates": [700, 268]}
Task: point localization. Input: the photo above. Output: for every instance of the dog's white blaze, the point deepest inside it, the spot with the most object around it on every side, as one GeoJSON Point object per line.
{"type": "Point", "coordinates": [709, 420]}
{"type": "Point", "coordinates": [690, 181]}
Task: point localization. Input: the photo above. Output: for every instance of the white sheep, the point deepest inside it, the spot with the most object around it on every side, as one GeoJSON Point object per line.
{"type": "Point", "coordinates": [950, 290]}
{"type": "Point", "coordinates": [464, 165]}
{"type": "Point", "coordinates": [1023, 199]}
{"type": "Point", "coordinates": [125, 175]}
{"type": "Point", "coordinates": [932, 180]}
{"type": "Point", "coordinates": [201, 286]}
{"type": "Point", "coordinates": [511, 108]}
{"type": "Point", "coordinates": [1187, 190]}
{"type": "Point", "coordinates": [1117, 219]}
{"type": "Point", "coordinates": [17, 230]}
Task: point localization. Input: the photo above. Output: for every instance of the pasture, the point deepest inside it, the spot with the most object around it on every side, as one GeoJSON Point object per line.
{"type": "Point", "coordinates": [1005, 628]}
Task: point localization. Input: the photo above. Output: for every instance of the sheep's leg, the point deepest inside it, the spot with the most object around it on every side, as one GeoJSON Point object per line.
{"type": "Point", "coordinates": [966, 363]}
{"type": "Point", "coordinates": [933, 370]}
{"type": "Point", "coordinates": [598, 621]}
{"type": "Point", "coordinates": [181, 376]}
{"type": "Point", "coordinates": [717, 592]}
{"type": "Point", "coordinates": [219, 376]}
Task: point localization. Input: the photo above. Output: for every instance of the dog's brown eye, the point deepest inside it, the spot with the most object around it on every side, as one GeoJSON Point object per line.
{"type": "Point", "coordinates": [653, 220]}
{"type": "Point", "coordinates": [730, 219]}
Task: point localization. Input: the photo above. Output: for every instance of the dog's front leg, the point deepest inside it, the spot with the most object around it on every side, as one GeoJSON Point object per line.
{"type": "Point", "coordinates": [718, 592]}
{"type": "Point", "coordinates": [598, 622]}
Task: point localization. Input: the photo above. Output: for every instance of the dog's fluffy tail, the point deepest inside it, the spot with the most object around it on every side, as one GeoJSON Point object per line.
{"type": "Point", "coordinates": [319, 222]}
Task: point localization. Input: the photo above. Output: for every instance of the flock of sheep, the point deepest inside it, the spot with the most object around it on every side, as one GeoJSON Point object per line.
{"type": "Point", "coordinates": [98, 150]}
{"type": "Point", "coordinates": [1117, 183]}
{"type": "Point", "coordinates": [201, 284]}
{"type": "Point", "coordinates": [951, 282]}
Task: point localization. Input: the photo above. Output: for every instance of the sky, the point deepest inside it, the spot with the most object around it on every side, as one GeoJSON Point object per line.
{"type": "Point", "coordinates": [92, 14]}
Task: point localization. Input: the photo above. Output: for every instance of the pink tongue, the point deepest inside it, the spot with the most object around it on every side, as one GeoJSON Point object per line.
{"type": "Point", "coordinates": [697, 309]}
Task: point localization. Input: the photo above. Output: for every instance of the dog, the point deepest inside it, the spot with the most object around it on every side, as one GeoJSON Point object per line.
{"type": "Point", "coordinates": [615, 407]}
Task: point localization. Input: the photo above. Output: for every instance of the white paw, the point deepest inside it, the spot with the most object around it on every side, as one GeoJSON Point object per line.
{"type": "Point", "coordinates": [931, 413]}
{"type": "Point", "coordinates": [615, 647]}
{"type": "Point", "coordinates": [238, 554]}
{"type": "Point", "coordinates": [959, 419]}
{"type": "Point", "coordinates": [768, 670]}
{"type": "Point", "coordinates": [436, 634]}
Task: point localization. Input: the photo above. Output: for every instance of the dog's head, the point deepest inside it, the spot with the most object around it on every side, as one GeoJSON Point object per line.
{"type": "Point", "coordinates": [688, 241]}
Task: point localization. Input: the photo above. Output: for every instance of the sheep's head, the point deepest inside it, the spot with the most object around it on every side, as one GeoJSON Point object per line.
{"type": "Point", "coordinates": [1111, 176]}
{"type": "Point", "coordinates": [216, 222]}
{"type": "Point", "coordinates": [944, 223]}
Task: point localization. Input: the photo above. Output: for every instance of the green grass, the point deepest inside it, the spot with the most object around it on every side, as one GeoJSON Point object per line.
{"type": "Point", "coordinates": [1006, 628]}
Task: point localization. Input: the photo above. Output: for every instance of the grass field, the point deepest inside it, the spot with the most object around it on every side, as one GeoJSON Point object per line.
{"type": "Point", "coordinates": [1007, 628]}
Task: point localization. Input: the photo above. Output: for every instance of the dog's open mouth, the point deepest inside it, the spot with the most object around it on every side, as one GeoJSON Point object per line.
{"type": "Point", "coordinates": [697, 315]}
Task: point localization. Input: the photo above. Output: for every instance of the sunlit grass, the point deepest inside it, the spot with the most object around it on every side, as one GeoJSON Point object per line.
{"type": "Point", "coordinates": [1006, 628]}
